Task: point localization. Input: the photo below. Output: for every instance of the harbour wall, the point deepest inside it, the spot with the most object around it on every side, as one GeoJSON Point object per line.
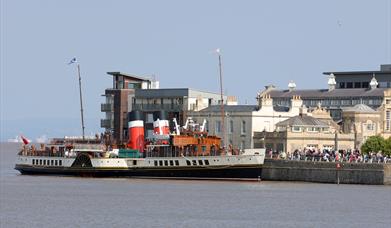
{"type": "Point", "coordinates": [327, 172]}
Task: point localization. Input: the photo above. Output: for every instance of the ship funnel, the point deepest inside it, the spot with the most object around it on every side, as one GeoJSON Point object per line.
{"type": "Point", "coordinates": [136, 130]}
{"type": "Point", "coordinates": [161, 125]}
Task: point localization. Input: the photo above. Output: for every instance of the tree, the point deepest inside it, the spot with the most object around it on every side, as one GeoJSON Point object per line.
{"type": "Point", "coordinates": [374, 144]}
{"type": "Point", "coordinates": [387, 146]}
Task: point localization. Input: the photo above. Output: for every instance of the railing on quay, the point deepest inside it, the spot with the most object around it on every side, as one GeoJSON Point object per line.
{"type": "Point", "coordinates": [322, 158]}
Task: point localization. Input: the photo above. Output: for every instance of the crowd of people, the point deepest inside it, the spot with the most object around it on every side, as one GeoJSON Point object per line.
{"type": "Point", "coordinates": [326, 155]}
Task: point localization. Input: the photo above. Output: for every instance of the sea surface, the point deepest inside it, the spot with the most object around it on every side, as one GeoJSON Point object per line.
{"type": "Point", "coordinates": [49, 201]}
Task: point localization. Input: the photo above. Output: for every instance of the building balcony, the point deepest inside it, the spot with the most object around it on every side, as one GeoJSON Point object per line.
{"type": "Point", "coordinates": [157, 107]}
{"type": "Point", "coordinates": [106, 107]}
{"type": "Point", "coordinates": [107, 123]}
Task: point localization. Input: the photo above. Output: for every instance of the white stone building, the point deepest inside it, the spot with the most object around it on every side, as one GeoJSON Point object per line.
{"type": "Point", "coordinates": [241, 121]}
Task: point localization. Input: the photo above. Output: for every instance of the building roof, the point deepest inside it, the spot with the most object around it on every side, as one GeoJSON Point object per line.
{"type": "Point", "coordinates": [359, 73]}
{"type": "Point", "coordinates": [359, 108]}
{"type": "Point", "coordinates": [384, 69]}
{"type": "Point", "coordinates": [168, 92]}
{"type": "Point", "coordinates": [231, 108]}
{"type": "Point", "coordinates": [303, 120]}
{"type": "Point", "coordinates": [130, 76]}
{"type": "Point", "coordinates": [324, 93]}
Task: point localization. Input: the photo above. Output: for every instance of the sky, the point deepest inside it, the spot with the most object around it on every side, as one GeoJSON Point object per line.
{"type": "Point", "coordinates": [262, 43]}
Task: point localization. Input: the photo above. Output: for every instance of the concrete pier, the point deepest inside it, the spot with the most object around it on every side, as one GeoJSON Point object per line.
{"type": "Point", "coordinates": [327, 172]}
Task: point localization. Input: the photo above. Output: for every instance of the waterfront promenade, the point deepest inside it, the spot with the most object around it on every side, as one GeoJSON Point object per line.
{"type": "Point", "coordinates": [345, 167]}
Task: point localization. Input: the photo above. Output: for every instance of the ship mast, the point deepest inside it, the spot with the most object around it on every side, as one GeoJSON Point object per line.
{"type": "Point", "coordinates": [81, 101]}
{"type": "Point", "coordinates": [222, 100]}
{"type": "Point", "coordinates": [81, 97]}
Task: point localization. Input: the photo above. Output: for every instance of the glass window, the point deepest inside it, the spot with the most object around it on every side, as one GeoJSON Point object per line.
{"type": "Point", "coordinates": [296, 129]}
{"type": "Point", "coordinates": [206, 162]}
{"type": "Point", "coordinates": [218, 126]}
{"type": "Point", "coordinates": [365, 84]}
{"type": "Point", "coordinates": [388, 120]}
{"type": "Point", "coordinates": [349, 85]}
{"type": "Point", "coordinates": [165, 162]}
{"type": "Point", "coordinates": [357, 85]}
{"type": "Point", "coordinates": [60, 163]}
{"type": "Point", "coordinates": [231, 126]}
{"type": "Point", "coordinates": [176, 162]}
{"type": "Point", "coordinates": [171, 162]}
{"type": "Point", "coordinates": [200, 162]}
{"type": "Point", "coordinates": [155, 163]}
{"type": "Point", "coordinates": [342, 85]}
{"type": "Point", "coordinates": [382, 85]}
{"type": "Point", "coordinates": [160, 163]}
{"type": "Point", "coordinates": [242, 145]}
{"type": "Point", "coordinates": [335, 102]}
{"type": "Point", "coordinates": [188, 162]}
{"type": "Point", "coordinates": [194, 162]}
{"type": "Point", "coordinates": [243, 127]}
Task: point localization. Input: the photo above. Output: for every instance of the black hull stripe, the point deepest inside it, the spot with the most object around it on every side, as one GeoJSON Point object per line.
{"type": "Point", "coordinates": [253, 172]}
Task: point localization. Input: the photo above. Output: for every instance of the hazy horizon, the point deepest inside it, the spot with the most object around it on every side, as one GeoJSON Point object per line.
{"type": "Point", "coordinates": [262, 43]}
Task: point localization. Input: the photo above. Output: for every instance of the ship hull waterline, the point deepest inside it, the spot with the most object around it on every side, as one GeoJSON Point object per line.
{"type": "Point", "coordinates": [223, 173]}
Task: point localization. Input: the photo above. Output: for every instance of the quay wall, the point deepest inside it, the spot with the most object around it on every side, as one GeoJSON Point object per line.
{"type": "Point", "coordinates": [327, 172]}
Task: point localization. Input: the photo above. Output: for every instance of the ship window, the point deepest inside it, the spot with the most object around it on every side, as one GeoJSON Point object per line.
{"type": "Point", "coordinates": [160, 163]}
{"type": "Point", "coordinates": [40, 162]}
{"type": "Point", "coordinates": [60, 163]}
{"type": "Point", "coordinates": [206, 162]}
{"type": "Point", "coordinates": [155, 163]}
{"type": "Point", "coordinates": [165, 162]}
{"type": "Point", "coordinates": [176, 162]}
{"type": "Point", "coordinates": [33, 161]}
{"type": "Point", "coordinates": [171, 162]}
{"type": "Point", "coordinates": [200, 162]}
{"type": "Point", "coordinates": [188, 162]}
{"type": "Point", "coordinates": [52, 162]}
{"type": "Point", "coordinates": [134, 162]}
{"type": "Point", "coordinates": [194, 162]}
{"type": "Point", "coordinates": [55, 163]}
{"type": "Point", "coordinates": [44, 162]}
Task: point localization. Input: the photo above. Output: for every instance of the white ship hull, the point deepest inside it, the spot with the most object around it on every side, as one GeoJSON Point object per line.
{"type": "Point", "coordinates": [245, 166]}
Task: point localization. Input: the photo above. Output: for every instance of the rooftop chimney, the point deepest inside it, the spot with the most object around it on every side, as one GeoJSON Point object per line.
{"type": "Point", "coordinates": [332, 83]}
{"type": "Point", "coordinates": [291, 86]}
{"type": "Point", "coordinates": [373, 82]}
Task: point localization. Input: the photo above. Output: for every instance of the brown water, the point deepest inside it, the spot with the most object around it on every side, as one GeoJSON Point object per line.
{"type": "Point", "coordinates": [47, 201]}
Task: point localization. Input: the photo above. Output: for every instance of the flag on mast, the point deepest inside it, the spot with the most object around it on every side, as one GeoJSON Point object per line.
{"type": "Point", "coordinates": [72, 61]}
{"type": "Point", "coordinates": [25, 140]}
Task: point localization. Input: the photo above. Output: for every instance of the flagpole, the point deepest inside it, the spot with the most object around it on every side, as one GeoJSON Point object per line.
{"type": "Point", "coordinates": [222, 100]}
{"type": "Point", "coordinates": [81, 101]}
